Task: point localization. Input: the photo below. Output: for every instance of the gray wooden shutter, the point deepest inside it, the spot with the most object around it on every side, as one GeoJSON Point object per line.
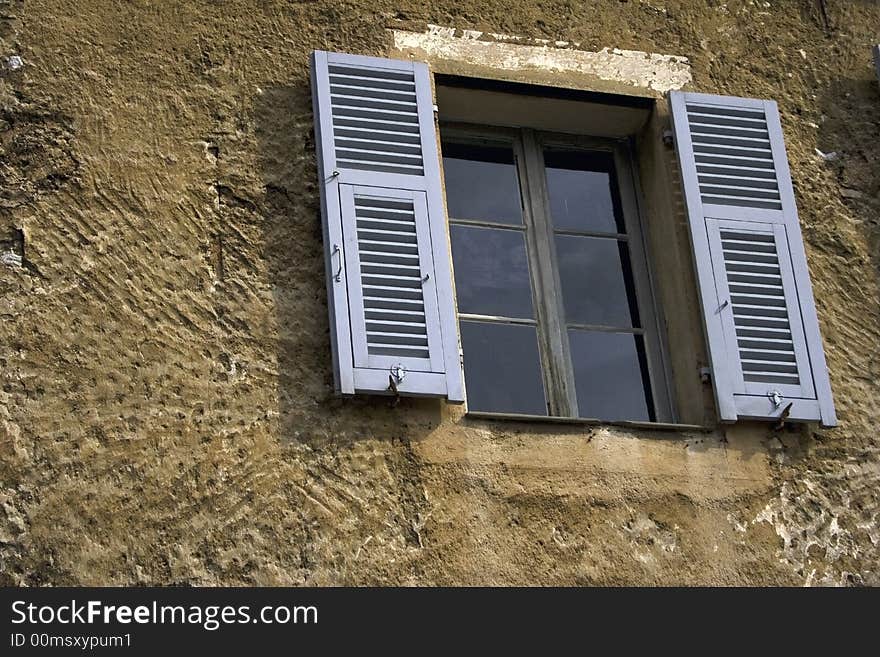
{"type": "Point", "coordinates": [389, 285]}
{"type": "Point", "coordinates": [763, 336]}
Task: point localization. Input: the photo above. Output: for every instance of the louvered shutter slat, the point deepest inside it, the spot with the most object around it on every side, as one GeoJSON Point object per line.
{"type": "Point", "coordinates": [388, 272]}
{"type": "Point", "coordinates": [736, 138]}
{"type": "Point", "coordinates": [760, 320]}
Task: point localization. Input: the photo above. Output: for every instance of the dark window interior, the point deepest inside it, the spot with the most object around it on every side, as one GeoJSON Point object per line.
{"type": "Point", "coordinates": [573, 211]}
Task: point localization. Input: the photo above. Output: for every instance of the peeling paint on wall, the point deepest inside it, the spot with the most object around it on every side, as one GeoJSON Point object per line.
{"type": "Point", "coordinates": [820, 526]}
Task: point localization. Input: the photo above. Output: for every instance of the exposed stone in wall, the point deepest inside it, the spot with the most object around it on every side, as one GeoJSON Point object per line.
{"type": "Point", "coordinates": [657, 72]}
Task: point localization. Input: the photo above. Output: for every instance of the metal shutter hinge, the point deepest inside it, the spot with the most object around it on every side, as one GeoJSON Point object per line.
{"type": "Point", "coordinates": [705, 374]}
{"type": "Point", "coordinates": [398, 373]}
{"type": "Point", "coordinates": [668, 138]}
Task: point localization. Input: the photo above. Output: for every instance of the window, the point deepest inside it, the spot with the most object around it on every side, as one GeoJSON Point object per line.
{"type": "Point", "coordinates": [555, 307]}
{"type": "Point", "coordinates": [556, 312]}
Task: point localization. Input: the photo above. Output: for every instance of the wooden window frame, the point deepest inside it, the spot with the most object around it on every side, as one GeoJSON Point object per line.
{"type": "Point", "coordinates": [537, 228]}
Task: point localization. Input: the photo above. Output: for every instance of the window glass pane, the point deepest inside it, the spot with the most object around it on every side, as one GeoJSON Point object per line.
{"type": "Point", "coordinates": [597, 281]}
{"type": "Point", "coordinates": [491, 272]}
{"type": "Point", "coordinates": [481, 183]}
{"type": "Point", "coordinates": [611, 375]}
{"type": "Point", "coordinates": [582, 191]}
{"type": "Point", "coordinates": [502, 369]}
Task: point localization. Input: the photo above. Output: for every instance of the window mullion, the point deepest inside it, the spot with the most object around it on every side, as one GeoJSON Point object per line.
{"type": "Point", "coordinates": [559, 374]}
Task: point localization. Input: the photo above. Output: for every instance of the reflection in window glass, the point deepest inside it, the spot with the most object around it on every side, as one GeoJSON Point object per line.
{"type": "Point", "coordinates": [597, 281]}
{"type": "Point", "coordinates": [502, 370]}
{"type": "Point", "coordinates": [491, 272]}
{"type": "Point", "coordinates": [582, 192]}
{"type": "Point", "coordinates": [576, 203]}
{"type": "Point", "coordinates": [611, 375]}
{"type": "Point", "coordinates": [481, 183]}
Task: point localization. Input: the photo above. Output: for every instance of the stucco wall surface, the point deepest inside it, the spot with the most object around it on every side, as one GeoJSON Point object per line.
{"type": "Point", "coordinates": [166, 401]}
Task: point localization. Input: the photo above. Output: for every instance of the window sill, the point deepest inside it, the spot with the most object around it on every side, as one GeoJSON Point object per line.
{"type": "Point", "coordinates": [546, 419]}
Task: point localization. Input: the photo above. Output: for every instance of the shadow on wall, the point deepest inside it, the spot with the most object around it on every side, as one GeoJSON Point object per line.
{"type": "Point", "coordinates": [309, 409]}
{"type": "Point", "coordinates": [849, 135]}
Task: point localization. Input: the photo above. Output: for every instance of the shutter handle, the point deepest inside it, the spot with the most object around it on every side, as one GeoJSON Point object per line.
{"type": "Point", "coordinates": [724, 305]}
{"type": "Point", "coordinates": [338, 275]}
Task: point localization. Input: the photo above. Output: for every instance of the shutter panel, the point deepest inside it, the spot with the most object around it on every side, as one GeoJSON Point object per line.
{"type": "Point", "coordinates": [389, 281]}
{"type": "Point", "coordinates": [760, 319]}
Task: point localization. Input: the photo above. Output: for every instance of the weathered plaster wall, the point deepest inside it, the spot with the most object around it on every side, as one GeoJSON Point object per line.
{"type": "Point", "coordinates": [166, 408]}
